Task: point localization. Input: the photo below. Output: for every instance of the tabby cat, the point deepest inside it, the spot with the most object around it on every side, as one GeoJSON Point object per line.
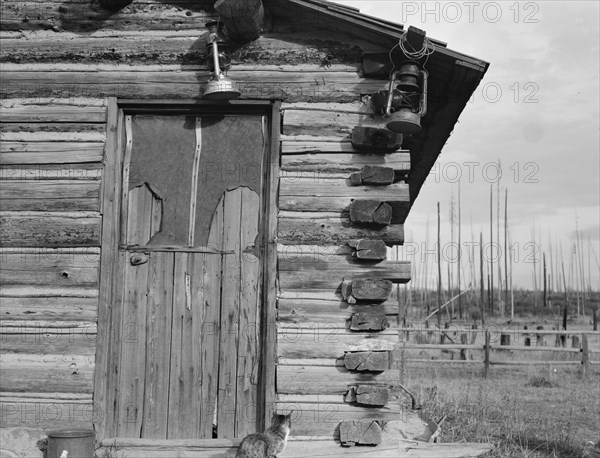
{"type": "Point", "coordinates": [270, 443]}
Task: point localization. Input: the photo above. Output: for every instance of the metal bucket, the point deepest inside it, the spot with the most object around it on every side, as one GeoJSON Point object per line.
{"type": "Point", "coordinates": [78, 443]}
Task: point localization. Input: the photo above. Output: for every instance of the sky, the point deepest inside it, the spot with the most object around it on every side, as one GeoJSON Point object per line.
{"type": "Point", "coordinates": [537, 112]}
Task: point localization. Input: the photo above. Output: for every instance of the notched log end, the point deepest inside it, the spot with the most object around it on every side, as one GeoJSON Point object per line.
{"type": "Point", "coordinates": [368, 322]}
{"type": "Point", "coordinates": [360, 432]}
{"type": "Point", "coordinates": [368, 361]}
{"type": "Point", "coordinates": [373, 140]}
{"type": "Point", "coordinates": [370, 212]}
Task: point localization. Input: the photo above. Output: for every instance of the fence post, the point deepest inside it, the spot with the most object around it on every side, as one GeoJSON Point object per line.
{"type": "Point", "coordinates": [585, 356]}
{"type": "Point", "coordinates": [464, 340]}
{"type": "Point", "coordinates": [486, 352]}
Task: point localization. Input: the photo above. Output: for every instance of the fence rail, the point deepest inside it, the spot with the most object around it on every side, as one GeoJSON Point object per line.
{"type": "Point", "coordinates": [579, 338]}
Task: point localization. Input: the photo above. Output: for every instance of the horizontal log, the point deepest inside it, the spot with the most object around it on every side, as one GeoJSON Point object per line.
{"type": "Point", "coordinates": [50, 152]}
{"type": "Point", "coordinates": [46, 291]}
{"type": "Point", "coordinates": [50, 253]}
{"type": "Point", "coordinates": [537, 363]}
{"type": "Point", "coordinates": [311, 271]}
{"type": "Point", "coordinates": [202, 4]}
{"type": "Point", "coordinates": [28, 133]}
{"type": "Point", "coordinates": [301, 86]}
{"type": "Point", "coordinates": [43, 172]}
{"type": "Point", "coordinates": [82, 17]}
{"type": "Point", "coordinates": [323, 165]}
{"type": "Point", "coordinates": [302, 311]}
{"type": "Point", "coordinates": [47, 327]}
{"type": "Point", "coordinates": [153, 68]}
{"type": "Point", "coordinates": [333, 187]}
{"type": "Point", "coordinates": [45, 101]}
{"type": "Point", "coordinates": [49, 230]}
{"type": "Point", "coordinates": [326, 380]}
{"type": "Point", "coordinates": [174, 46]}
{"type": "Point", "coordinates": [47, 373]}
{"type": "Point", "coordinates": [329, 340]}
{"type": "Point", "coordinates": [316, 144]}
{"type": "Point", "coordinates": [335, 195]}
{"type": "Point", "coordinates": [54, 114]}
{"type": "Point", "coordinates": [64, 270]}
{"type": "Point", "coordinates": [49, 308]}
{"type": "Point", "coordinates": [323, 418]}
{"type": "Point", "coordinates": [47, 410]}
{"type": "Point", "coordinates": [44, 260]}
{"type": "Point", "coordinates": [331, 121]}
{"type": "Point", "coordinates": [405, 424]}
{"type": "Point", "coordinates": [65, 342]}
{"type": "Point", "coordinates": [50, 196]}
{"type": "Point", "coordinates": [330, 229]}
{"type": "Point", "coordinates": [347, 108]}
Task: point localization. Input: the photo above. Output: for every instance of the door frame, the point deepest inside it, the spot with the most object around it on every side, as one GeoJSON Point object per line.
{"type": "Point", "coordinates": [111, 272]}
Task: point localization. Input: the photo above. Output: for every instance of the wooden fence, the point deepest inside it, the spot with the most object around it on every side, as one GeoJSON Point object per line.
{"type": "Point", "coordinates": [499, 340]}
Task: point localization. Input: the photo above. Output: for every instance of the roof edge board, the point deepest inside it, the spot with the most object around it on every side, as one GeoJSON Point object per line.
{"type": "Point", "coordinates": [384, 28]}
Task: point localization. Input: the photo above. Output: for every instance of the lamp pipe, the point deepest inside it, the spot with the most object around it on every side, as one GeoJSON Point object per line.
{"type": "Point", "coordinates": [215, 49]}
{"type": "Point", "coordinates": [388, 109]}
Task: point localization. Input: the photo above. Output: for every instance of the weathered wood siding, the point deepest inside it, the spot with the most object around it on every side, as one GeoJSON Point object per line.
{"type": "Point", "coordinates": [60, 63]}
{"type": "Point", "coordinates": [50, 170]}
{"type": "Point", "coordinates": [317, 158]}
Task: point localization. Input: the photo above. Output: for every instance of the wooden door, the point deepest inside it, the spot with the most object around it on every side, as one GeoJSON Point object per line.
{"type": "Point", "coordinates": [189, 354]}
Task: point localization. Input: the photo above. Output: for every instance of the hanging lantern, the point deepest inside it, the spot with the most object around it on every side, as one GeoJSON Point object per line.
{"type": "Point", "coordinates": [408, 77]}
{"type": "Point", "coordinates": [219, 87]}
{"type": "Point", "coordinates": [403, 106]}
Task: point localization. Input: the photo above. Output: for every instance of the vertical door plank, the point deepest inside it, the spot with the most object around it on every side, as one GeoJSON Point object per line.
{"type": "Point", "coordinates": [158, 351]}
{"type": "Point", "coordinates": [185, 405]}
{"type": "Point", "coordinates": [266, 386]}
{"type": "Point", "coordinates": [109, 305]}
{"type": "Point", "coordinates": [133, 326]}
{"type": "Point", "coordinates": [177, 380]}
{"type": "Point", "coordinates": [192, 340]}
{"type": "Point", "coordinates": [211, 313]}
{"type": "Point", "coordinates": [230, 303]}
{"type": "Point", "coordinates": [249, 315]}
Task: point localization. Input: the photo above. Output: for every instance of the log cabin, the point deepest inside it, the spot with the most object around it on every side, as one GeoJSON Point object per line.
{"type": "Point", "coordinates": [275, 291]}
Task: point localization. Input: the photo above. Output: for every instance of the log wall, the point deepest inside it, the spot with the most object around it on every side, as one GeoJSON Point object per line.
{"type": "Point", "coordinates": [314, 257]}
{"type": "Point", "coordinates": [60, 63]}
{"type": "Point", "coordinates": [50, 171]}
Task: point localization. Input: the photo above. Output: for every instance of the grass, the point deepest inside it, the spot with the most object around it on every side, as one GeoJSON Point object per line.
{"type": "Point", "coordinates": [524, 413]}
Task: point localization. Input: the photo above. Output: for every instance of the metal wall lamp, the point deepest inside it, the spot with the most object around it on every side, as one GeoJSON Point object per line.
{"type": "Point", "coordinates": [219, 87]}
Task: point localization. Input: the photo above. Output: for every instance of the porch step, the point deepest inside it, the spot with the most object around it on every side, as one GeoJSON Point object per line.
{"type": "Point", "coordinates": [300, 447]}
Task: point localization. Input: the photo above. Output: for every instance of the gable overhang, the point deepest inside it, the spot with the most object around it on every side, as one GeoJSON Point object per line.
{"type": "Point", "coordinates": [453, 78]}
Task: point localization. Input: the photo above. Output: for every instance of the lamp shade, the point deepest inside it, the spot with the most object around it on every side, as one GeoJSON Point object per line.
{"type": "Point", "coordinates": [221, 89]}
{"type": "Point", "coordinates": [404, 121]}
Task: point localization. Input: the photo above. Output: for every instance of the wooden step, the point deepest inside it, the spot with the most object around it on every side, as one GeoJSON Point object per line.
{"type": "Point", "coordinates": [298, 447]}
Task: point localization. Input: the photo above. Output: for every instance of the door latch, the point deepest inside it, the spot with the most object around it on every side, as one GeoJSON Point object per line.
{"type": "Point", "coordinates": [138, 259]}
